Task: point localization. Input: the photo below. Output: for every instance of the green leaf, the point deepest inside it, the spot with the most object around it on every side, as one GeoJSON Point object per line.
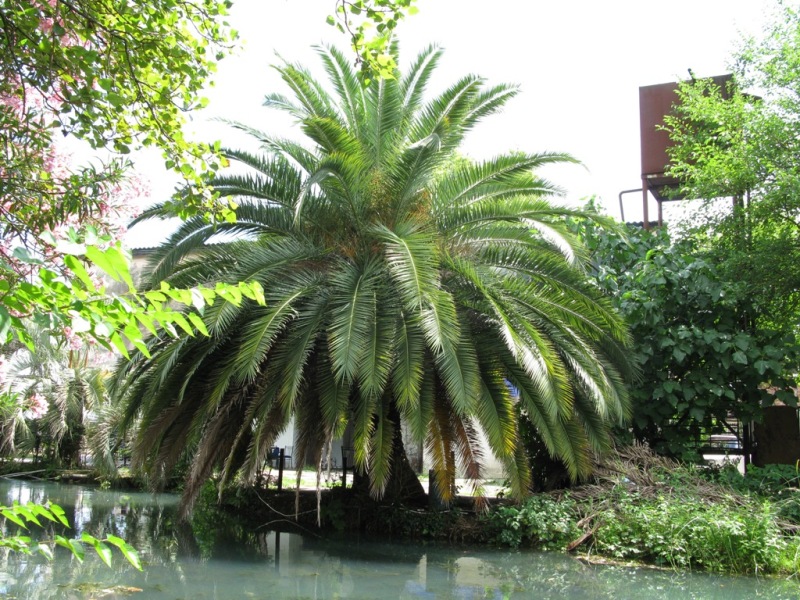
{"type": "Point", "coordinates": [183, 323]}
{"type": "Point", "coordinates": [42, 511]}
{"type": "Point", "coordinates": [128, 551]}
{"type": "Point", "coordinates": [119, 344]}
{"type": "Point", "coordinates": [698, 414]}
{"type": "Point", "coordinates": [115, 99]}
{"type": "Point", "coordinates": [79, 271]}
{"type": "Point", "coordinates": [112, 262]}
{"type": "Point", "coordinates": [198, 323]}
{"type": "Point", "coordinates": [154, 296]}
{"type": "Point", "coordinates": [23, 255]}
{"type": "Point", "coordinates": [11, 516]}
{"type": "Point", "coordinates": [742, 341]}
{"type": "Point", "coordinates": [44, 550]}
{"type": "Point", "coordinates": [104, 552]}
{"type": "Point", "coordinates": [59, 514]}
{"type": "Point", "coordinates": [5, 324]}
{"type": "Point", "coordinates": [77, 549]}
{"type": "Point", "coordinates": [27, 513]}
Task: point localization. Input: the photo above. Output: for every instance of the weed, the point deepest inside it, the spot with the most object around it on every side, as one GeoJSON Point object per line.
{"type": "Point", "coordinates": [541, 521]}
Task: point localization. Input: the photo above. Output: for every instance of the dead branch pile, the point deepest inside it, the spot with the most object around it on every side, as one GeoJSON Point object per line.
{"type": "Point", "coordinates": [639, 469]}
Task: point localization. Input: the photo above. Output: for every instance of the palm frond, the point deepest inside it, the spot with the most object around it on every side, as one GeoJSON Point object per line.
{"type": "Point", "coordinates": [290, 150]}
{"type": "Point", "coordinates": [453, 353]}
{"type": "Point", "coordinates": [411, 256]}
{"type": "Point", "coordinates": [346, 84]}
{"type": "Point", "coordinates": [381, 447]}
{"type": "Point", "coordinates": [414, 82]}
{"type": "Point", "coordinates": [438, 444]}
{"type": "Point", "coordinates": [373, 373]}
{"type": "Point", "coordinates": [352, 306]}
{"type": "Point", "coordinates": [408, 365]}
{"type": "Point", "coordinates": [312, 98]}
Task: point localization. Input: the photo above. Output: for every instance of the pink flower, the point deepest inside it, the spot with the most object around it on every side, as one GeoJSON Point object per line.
{"type": "Point", "coordinates": [36, 406]}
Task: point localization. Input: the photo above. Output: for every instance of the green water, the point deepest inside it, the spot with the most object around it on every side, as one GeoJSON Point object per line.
{"type": "Point", "coordinates": [184, 564]}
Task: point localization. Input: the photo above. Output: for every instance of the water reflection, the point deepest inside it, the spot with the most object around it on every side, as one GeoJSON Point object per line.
{"type": "Point", "coordinates": [230, 561]}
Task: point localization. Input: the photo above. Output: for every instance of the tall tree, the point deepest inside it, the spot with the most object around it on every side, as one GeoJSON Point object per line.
{"type": "Point", "coordinates": [703, 358]}
{"type": "Point", "coordinates": [403, 283]}
{"type": "Point", "coordinates": [743, 143]}
{"type": "Point", "coordinates": [117, 75]}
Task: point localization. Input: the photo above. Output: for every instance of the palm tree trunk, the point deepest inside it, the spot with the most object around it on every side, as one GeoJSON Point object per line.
{"type": "Point", "coordinates": [403, 486]}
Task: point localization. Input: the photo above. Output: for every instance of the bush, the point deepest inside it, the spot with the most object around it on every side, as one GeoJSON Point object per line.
{"type": "Point", "coordinates": [541, 521]}
{"type": "Point", "coordinates": [732, 536]}
{"type": "Point", "coordinates": [779, 483]}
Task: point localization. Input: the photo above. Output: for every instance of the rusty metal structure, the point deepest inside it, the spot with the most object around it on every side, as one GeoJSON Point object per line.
{"type": "Point", "coordinates": [655, 102]}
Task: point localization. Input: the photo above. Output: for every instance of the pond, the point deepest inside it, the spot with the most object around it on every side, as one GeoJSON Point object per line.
{"type": "Point", "coordinates": [181, 563]}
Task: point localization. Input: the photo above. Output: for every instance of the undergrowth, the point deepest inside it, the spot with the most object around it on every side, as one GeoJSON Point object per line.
{"type": "Point", "coordinates": [650, 509]}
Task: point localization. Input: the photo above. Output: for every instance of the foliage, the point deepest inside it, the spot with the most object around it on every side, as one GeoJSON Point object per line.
{"type": "Point", "coordinates": [703, 357]}
{"type": "Point", "coordinates": [778, 483]}
{"type": "Point", "coordinates": [357, 18]}
{"type": "Point", "coordinates": [405, 523]}
{"type": "Point", "coordinates": [114, 74]}
{"type": "Point", "coordinates": [57, 402]}
{"type": "Point", "coordinates": [80, 304]}
{"type": "Point", "coordinates": [541, 521]}
{"type": "Point", "coordinates": [402, 282]}
{"type": "Point", "coordinates": [686, 532]}
{"type": "Point", "coordinates": [547, 471]}
{"type": "Point", "coordinates": [742, 142]}
{"type": "Point", "coordinates": [24, 515]}
{"type": "Point", "coordinates": [649, 508]}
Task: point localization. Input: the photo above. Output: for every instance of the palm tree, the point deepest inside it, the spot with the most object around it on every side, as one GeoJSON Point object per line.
{"type": "Point", "coordinates": [403, 283]}
{"type": "Point", "coordinates": [69, 383]}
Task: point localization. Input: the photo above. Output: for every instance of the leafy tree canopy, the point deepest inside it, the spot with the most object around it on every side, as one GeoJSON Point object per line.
{"type": "Point", "coordinates": [117, 75]}
{"type": "Point", "coordinates": [702, 353]}
{"type": "Point", "coordinates": [370, 24]}
{"type": "Point", "coordinates": [113, 73]}
{"type": "Point", "coordinates": [743, 143]}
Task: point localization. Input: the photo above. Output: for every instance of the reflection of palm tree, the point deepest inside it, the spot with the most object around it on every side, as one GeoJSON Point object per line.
{"type": "Point", "coordinates": [403, 283]}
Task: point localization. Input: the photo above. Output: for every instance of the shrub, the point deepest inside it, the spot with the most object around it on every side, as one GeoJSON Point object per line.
{"type": "Point", "coordinates": [779, 483]}
{"type": "Point", "coordinates": [738, 536]}
{"type": "Point", "coordinates": [541, 521]}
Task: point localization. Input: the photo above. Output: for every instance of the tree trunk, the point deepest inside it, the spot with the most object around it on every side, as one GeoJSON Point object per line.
{"type": "Point", "coordinates": [403, 486]}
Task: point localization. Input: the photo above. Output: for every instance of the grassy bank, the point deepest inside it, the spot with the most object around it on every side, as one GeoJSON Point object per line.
{"type": "Point", "coordinates": [652, 510]}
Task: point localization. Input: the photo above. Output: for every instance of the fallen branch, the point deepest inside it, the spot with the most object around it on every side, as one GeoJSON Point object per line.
{"type": "Point", "coordinates": [21, 474]}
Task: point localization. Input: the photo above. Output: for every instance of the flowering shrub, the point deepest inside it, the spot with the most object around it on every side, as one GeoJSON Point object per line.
{"type": "Point", "coordinates": [36, 406]}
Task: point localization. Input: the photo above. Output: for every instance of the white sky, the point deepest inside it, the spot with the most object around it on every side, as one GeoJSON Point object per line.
{"type": "Point", "coordinates": [579, 64]}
